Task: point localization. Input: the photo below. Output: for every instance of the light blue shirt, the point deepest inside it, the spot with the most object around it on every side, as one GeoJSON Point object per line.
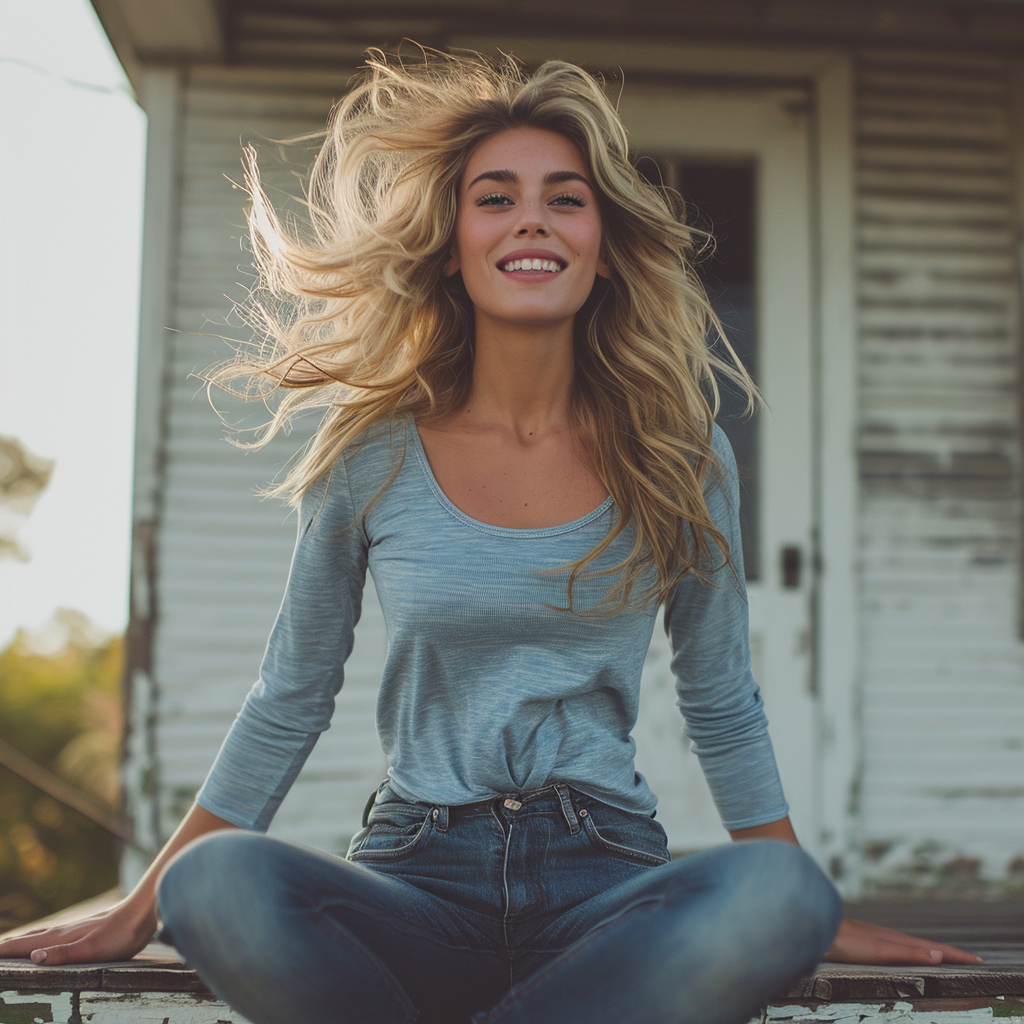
{"type": "Point", "coordinates": [488, 688]}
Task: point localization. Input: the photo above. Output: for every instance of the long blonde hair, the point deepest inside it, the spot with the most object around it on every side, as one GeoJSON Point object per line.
{"type": "Point", "coordinates": [358, 316]}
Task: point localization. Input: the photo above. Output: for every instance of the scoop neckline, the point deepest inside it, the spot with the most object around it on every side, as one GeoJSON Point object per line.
{"type": "Point", "coordinates": [479, 524]}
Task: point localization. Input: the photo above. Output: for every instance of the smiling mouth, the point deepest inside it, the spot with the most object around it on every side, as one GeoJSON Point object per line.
{"type": "Point", "coordinates": [534, 266]}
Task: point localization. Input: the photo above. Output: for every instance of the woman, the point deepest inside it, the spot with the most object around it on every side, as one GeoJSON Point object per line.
{"type": "Point", "coordinates": [501, 318]}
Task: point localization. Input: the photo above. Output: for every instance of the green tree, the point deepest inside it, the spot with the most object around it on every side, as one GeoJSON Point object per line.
{"type": "Point", "coordinates": [60, 706]}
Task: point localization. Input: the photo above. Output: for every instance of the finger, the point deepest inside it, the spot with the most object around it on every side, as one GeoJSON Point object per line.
{"type": "Point", "coordinates": [884, 953]}
{"type": "Point", "coordinates": [21, 945]}
{"type": "Point", "coordinates": [67, 953]}
{"type": "Point", "coordinates": [937, 951]}
{"type": "Point", "coordinates": [27, 931]}
{"type": "Point", "coordinates": [952, 955]}
{"type": "Point", "coordinates": [17, 933]}
{"type": "Point", "coordinates": [929, 953]}
{"type": "Point", "coordinates": [895, 953]}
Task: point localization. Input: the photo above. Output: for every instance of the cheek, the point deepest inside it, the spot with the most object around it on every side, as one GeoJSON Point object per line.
{"type": "Point", "coordinates": [471, 236]}
{"type": "Point", "coordinates": [587, 238]}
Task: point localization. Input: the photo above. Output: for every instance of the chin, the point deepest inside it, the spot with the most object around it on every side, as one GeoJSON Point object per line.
{"type": "Point", "coordinates": [531, 314]}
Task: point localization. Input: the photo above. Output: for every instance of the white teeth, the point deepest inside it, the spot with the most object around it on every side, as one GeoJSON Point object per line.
{"type": "Point", "coordinates": [550, 266]}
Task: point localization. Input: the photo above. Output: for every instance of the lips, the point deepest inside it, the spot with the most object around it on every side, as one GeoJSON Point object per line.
{"type": "Point", "coordinates": [532, 261]}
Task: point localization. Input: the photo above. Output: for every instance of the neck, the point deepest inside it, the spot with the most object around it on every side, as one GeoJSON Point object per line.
{"type": "Point", "coordinates": [522, 376]}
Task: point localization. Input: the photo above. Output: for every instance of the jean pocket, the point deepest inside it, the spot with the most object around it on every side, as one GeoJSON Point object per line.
{"type": "Point", "coordinates": [634, 837]}
{"type": "Point", "coordinates": [392, 834]}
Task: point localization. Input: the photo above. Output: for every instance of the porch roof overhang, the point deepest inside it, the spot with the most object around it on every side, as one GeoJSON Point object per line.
{"type": "Point", "coordinates": [310, 33]}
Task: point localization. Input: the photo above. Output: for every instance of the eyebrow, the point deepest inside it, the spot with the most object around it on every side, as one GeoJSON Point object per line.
{"type": "Point", "coordinates": [511, 178]}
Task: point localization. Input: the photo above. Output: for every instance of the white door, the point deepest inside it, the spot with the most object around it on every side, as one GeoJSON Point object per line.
{"type": "Point", "coordinates": [767, 133]}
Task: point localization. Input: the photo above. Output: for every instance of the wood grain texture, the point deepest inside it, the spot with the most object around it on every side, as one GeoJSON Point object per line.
{"type": "Point", "coordinates": [940, 474]}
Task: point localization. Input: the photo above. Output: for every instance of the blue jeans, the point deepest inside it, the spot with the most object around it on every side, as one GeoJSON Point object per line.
{"type": "Point", "coordinates": [546, 907]}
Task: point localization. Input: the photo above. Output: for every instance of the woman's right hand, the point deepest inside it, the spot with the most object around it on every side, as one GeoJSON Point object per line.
{"type": "Point", "coordinates": [118, 933]}
{"type": "Point", "coordinates": [115, 934]}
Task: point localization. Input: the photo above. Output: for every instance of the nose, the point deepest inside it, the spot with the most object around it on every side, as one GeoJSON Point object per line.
{"type": "Point", "coordinates": [532, 223]}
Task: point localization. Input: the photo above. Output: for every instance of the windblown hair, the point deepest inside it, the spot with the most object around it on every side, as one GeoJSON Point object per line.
{"type": "Point", "coordinates": [358, 316]}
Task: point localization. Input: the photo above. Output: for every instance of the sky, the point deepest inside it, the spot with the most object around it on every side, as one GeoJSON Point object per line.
{"type": "Point", "coordinates": [71, 183]}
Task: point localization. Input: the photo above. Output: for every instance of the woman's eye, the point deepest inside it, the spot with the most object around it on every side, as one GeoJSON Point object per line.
{"type": "Point", "coordinates": [494, 199]}
{"type": "Point", "coordinates": [569, 199]}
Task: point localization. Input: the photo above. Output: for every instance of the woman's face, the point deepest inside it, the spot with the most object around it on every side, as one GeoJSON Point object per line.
{"type": "Point", "coordinates": [528, 229]}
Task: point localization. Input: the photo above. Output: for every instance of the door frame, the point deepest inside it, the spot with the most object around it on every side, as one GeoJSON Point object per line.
{"type": "Point", "coordinates": [768, 129]}
{"type": "Point", "coordinates": [836, 588]}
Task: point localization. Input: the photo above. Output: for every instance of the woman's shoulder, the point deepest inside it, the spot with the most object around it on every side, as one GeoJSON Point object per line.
{"type": "Point", "coordinates": [361, 470]}
{"type": "Point", "coordinates": [722, 448]}
{"type": "Point", "coordinates": [722, 476]}
{"type": "Point", "coordinates": [377, 447]}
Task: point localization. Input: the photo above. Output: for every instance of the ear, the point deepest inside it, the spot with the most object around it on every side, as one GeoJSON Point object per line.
{"type": "Point", "coordinates": [453, 266]}
{"type": "Point", "coordinates": [603, 270]}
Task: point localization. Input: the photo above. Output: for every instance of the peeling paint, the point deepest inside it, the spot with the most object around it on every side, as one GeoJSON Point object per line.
{"type": "Point", "coordinates": [940, 462]}
{"type": "Point", "coordinates": [20, 1008]}
{"type": "Point", "coordinates": [115, 1008]}
{"type": "Point", "coordinates": [896, 868]}
{"type": "Point", "coordinates": [889, 1013]}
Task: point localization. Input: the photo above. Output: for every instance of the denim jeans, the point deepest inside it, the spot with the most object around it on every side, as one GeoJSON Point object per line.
{"type": "Point", "coordinates": [546, 907]}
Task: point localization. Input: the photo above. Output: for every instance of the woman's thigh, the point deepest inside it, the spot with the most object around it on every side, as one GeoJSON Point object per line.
{"type": "Point", "coordinates": [722, 889]}
{"type": "Point", "coordinates": [705, 939]}
{"type": "Point", "coordinates": [309, 929]}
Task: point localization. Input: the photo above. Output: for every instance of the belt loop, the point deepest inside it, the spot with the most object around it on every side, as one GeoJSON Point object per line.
{"type": "Point", "coordinates": [366, 809]}
{"type": "Point", "coordinates": [567, 809]}
{"type": "Point", "coordinates": [372, 801]}
{"type": "Point", "coordinates": [439, 815]}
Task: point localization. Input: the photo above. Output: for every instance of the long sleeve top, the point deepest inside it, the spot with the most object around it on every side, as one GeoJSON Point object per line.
{"type": "Point", "coordinates": [489, 687]}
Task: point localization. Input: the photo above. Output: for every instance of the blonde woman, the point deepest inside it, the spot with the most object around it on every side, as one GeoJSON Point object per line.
{"type": "Point", "coordinates": [501, 319]}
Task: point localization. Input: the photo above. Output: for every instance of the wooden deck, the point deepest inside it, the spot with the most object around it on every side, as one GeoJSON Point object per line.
{"type": "Point", "coordinates": [157, 987]}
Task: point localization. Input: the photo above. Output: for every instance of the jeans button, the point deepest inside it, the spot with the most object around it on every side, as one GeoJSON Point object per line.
{"type": "Point", "coordinates": [434, 813]}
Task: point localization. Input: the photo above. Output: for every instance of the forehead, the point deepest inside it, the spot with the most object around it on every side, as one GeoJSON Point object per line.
{"type": "Point", "coordinates": [527, 152]}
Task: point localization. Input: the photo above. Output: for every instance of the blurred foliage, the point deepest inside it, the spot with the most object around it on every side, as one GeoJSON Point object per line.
{"type": "Point", "coordinates": [23, 477]}
{"type": "Point", "coordinates": [60, 704]}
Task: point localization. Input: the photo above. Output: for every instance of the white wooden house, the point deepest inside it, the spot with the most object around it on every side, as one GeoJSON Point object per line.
{"type": "Point", "coordinates": [864, 164]}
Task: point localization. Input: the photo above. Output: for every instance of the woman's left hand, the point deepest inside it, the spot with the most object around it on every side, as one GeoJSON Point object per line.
{"type": "Point", "coordinates": [860, 943]}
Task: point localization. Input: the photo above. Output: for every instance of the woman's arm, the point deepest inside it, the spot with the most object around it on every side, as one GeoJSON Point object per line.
{"type": "Point", "coordinates": [858, 942]}
{"type": "Point", "coordinates": [725, 719]}
{"type": "Point", "coordinates": [120, 932]}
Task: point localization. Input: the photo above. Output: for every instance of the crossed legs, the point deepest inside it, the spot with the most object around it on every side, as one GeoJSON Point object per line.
{"type": "Point", "coordinates": [288, 935]}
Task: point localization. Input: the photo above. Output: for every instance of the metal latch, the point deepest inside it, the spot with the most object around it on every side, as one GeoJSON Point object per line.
{"type": "Point", "coordinates": [792, 564]}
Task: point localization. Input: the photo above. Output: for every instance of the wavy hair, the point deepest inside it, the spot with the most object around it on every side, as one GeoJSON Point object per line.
{"type": "Point", "coordinates": [355, 314]}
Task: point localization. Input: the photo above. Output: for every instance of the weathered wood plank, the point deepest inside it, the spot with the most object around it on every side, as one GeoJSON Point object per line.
{"type": "Point", "coordinates": [894, 155]}
{"type": "Point", "coordinates": [154, 1008]}
{"type": "Point", "coordinates": [26, 1008]}
{"type": "Point", "coordinates": [918, 1011]}
{"type": "Point", "coordinates": [163, 990]}
{"type": "Point", "coordinates": [939, 461]}
{"type": "Point", "coordinates": [23, 975]}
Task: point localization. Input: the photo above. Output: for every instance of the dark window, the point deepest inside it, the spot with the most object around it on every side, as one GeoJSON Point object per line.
{"type": "Point", "coordinates": [720, 199]}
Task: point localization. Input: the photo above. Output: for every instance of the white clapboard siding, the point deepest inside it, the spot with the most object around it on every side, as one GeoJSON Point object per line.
{"type": "Point", "coordinates": [943, 666]}
{"type": "Point", "coordinates": [223, 553]}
